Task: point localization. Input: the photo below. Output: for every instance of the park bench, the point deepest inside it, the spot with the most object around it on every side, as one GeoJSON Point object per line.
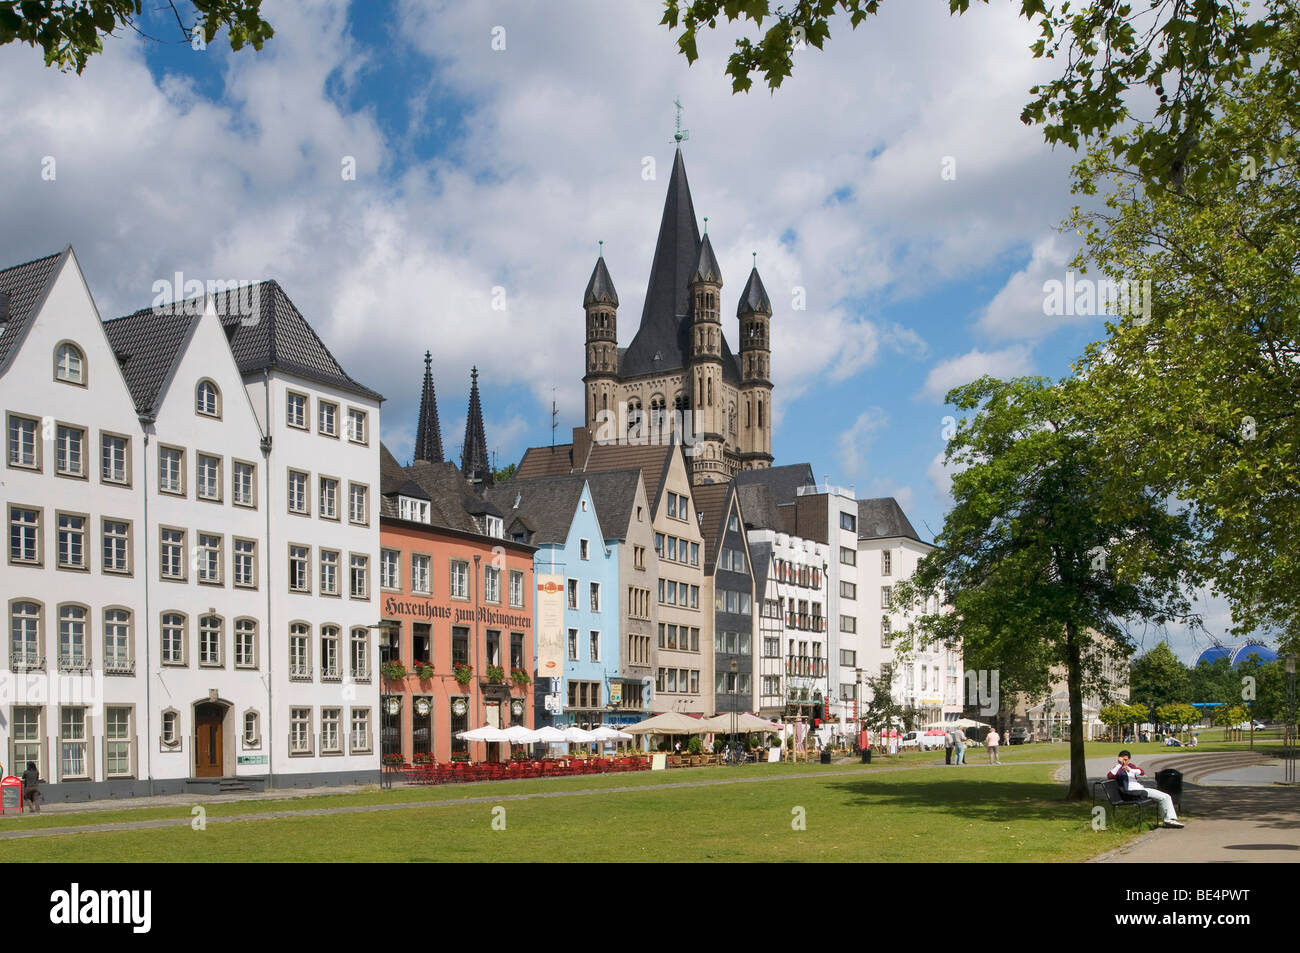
{"type": "Point", "coordinates": [1109, 789]}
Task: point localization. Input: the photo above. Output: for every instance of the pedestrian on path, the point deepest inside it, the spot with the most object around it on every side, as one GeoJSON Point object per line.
{"type": "Point", "coordinates": [992, 741]}
{"type": "Point", "coordinates": [948, 744]}
{"type": "Point", "coordinates": [961, 746]}
{"type": "Point", "coordinates": [32, 787]}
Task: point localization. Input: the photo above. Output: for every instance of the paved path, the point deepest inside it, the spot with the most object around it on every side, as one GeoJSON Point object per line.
{"type": "Point", "coordinates": [1233, 815]}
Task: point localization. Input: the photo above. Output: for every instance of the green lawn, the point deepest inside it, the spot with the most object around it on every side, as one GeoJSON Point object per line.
{"type": "Point", "coordinates": [984, 814]}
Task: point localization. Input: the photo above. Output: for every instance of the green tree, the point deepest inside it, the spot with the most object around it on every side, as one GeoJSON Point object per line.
{"type": "Point", "coordinates": [71, 31]}
{"type": "Point", "coordinates": [1198, 393]}
{"type": "Point", "coordinates": [1215, 683]}
{"type": "Point", "coordinates": [505, 473]}
{"type": "Point", "coordinates": [1179, 714]}
{"type": "Point", "coordinates": [1158, 677]}
{"type": "Point", "coordinates": [1030, 556]}
{"type": "Point", "coordinates": [1178, 52]}
{"type": "Point", "coordinates": [881, 710]}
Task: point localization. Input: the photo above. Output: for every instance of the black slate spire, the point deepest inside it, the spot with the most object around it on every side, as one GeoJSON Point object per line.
{"type": "Point", "coordinates": [754, 297]}
{"type": "Point", "coordinates": [665, 323]}
{"type": "Point", "coordinates": [428, 432]}
{"type": "Point", "coordinates": [706, 268]}
{"type": "Point", "coordinates": [474, 464]}
{"type": "Point", "coordinates": [600, 289]}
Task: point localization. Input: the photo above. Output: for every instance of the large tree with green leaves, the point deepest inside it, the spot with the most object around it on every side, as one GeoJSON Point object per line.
{"type": "Point", "coordinates": [1158, 678]}
{"type": "Point", "coordinates": [1201, 396]}
{"type": "Point", "coordinates": [1177, 54]}
{"type": "Point", "coordinates": [69, 32]}
{"type": "Point", "coordinates": [1031, 556]}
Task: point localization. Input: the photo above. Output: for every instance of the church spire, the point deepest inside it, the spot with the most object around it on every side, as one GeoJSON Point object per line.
{"type": "Point", "coordinates": [428, 432]}
{"type": "Point", "coordinates": [474, 456]}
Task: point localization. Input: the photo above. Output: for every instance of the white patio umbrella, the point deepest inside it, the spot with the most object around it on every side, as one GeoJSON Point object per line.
{"type": "Point", "coordinates": [521, 735]}
{"type": "Point", "coordinates": [606, 733]}
{"type": "Point", "coordinates": [574, 733]}
{"type": "Point", "coordinates": [486, 733]}
{"type": "Point", "coordinates": [550, 735]}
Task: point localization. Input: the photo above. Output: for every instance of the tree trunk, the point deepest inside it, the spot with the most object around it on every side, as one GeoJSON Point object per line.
{"type": "Point", "coordinates": [1074, 681]}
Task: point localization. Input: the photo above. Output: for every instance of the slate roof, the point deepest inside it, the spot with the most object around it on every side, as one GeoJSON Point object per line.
{"type": "Point", "coordinates": [450, 497]}
{"type": "Point", "coordinates": [545, 461]}
{"type": "Point", "coordinates": [25, 286]}
{"type": "Point", "coordinates": [782, 482]}
{"type": "Point", "coordinates": [600, 289]}
{"type": "Point", "coordinates": [760, 561]}
{"type": "Point", "coordinates": [883, 518]}
{"type": "Point", "coordinates": [652, 461]}
{"type": "Point", "coordinates": [614, 494]}
{"type": "Point", "coordinates": [757, 506]}
{"type": "Point", "coordinates": [711, 503]}
{"type": "Point", "coordinates": [754, 297]}
{"type": "Point", "coordinates": [663, 340]}
{"type": "Point", "coordinates": [265, 330]}
{"type": "Point", "coordinates": [147, 347]}
{"type": "Point", "coordinates": [547, 504]}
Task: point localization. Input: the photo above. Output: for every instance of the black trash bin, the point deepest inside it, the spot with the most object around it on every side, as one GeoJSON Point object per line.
{"type": "Point", "coordinates": [1171, 782]}
{"type": "Point", "coordinates": [826, 755]}
{"type": "Point", "coordinates": [866, 755]}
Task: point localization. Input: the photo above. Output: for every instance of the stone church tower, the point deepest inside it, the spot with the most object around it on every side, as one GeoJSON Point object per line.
{"type": "Point", "coordinates": [679, 378]}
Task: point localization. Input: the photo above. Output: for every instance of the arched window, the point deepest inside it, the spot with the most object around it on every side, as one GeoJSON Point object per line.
{"type": "Point", "coordinates": [74, 648]}
{"type": "Point", "coordinates": [657, 411]}
{"type": "Point", "coordinates": [25, 623]}
{"type": "Point", "coordinates": [212, 640]}
{"type": "Point", "coordinates": [171, 734]}
{"type": "Point", "coordinates": [252, 730]}
{"type": "Point", "coordinates": [710, 391]}
{"type": "Point", "coordinates": [69, 363]}
{"type": "Point", "coordinates": [760, 411]}
{"type": "Point", "coordinates": [207, 399]}
{"type": "Point", "coordinates": [748, 416]}
{"type": "Point", "coordinates": [173, 638]}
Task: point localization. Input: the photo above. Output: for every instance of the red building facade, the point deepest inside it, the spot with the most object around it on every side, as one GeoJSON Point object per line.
{"type": "Point", "coordinates": [456, 647]}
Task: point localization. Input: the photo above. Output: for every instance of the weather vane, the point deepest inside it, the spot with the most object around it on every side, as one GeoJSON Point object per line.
{"type": "Point", "coordinates": [681, 133]}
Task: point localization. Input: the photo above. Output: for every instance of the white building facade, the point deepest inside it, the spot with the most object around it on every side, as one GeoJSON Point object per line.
{"type": "Point", "coordinates": [927, 680]}
{"type": "Point", "coordinates": [189, 653]}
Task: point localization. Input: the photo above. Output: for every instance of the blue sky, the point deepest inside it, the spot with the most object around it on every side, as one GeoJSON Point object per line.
{"type": "Point", "coordinates": [485, 171]}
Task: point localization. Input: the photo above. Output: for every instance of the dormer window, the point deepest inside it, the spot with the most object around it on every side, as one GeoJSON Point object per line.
{"type": "Point", "coordinates": [495, 526]}
{"type": "Point", "coordinates": [69, 364]}
{"type": "Point", "coordinates": [207, 399]}
{"type": "Point", "coordinates": [413, 510]}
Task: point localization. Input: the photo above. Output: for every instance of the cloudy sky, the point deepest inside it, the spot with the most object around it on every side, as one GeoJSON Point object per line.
{"type": "Point", "coordinates": [889, 184]}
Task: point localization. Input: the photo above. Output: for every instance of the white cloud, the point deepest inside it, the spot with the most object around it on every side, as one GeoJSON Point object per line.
{"type": "Point", "coordinates": [1017, 310]}
{"type": "Point", "coordinates": [854, 442]}
{"type": "Point", "coordinates": [940, 478]}
{"type": "Point", "coordinates": [155, 177]}
{"type": "Point", "coordinates": [954, 372]}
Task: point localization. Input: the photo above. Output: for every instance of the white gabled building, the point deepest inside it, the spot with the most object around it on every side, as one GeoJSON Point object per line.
{"type": "Point", "coordinates": [176, 465]}
{"type": "Point", "coordinates": [929, 680]}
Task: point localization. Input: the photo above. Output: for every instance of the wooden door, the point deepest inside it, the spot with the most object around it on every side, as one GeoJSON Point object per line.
{"type": "Point", "coordinates": [208, 746]}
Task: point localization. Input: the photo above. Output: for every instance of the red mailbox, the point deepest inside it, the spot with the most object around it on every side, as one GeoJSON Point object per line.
{"type": "Point", "coordinates": [11, 795]}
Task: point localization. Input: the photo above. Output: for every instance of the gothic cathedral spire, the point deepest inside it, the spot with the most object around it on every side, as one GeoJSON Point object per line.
{"type": "Point", "coordinates": [428, 432]}
{"type": "Point", "coordinates": [474, 464]}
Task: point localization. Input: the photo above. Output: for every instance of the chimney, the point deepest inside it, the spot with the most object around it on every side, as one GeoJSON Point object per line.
{"type": "Point", "coordinates": [4, 309]}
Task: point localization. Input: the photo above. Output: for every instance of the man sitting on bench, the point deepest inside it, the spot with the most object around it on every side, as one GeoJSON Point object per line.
{"type": "Point", "coordinates": [1126, 773]}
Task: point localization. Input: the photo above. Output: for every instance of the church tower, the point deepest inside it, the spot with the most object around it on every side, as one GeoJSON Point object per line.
{"type": "Point", "coordinates": [679, 359]}
{"type": "Point", "coordinates": [600, 302]}
{"type": "Point", "coordinates": [708, 406]}
{"type": "Point", "coordinates": [755, 314]}
{"type": "Point", "coordinates": [474, 465]}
